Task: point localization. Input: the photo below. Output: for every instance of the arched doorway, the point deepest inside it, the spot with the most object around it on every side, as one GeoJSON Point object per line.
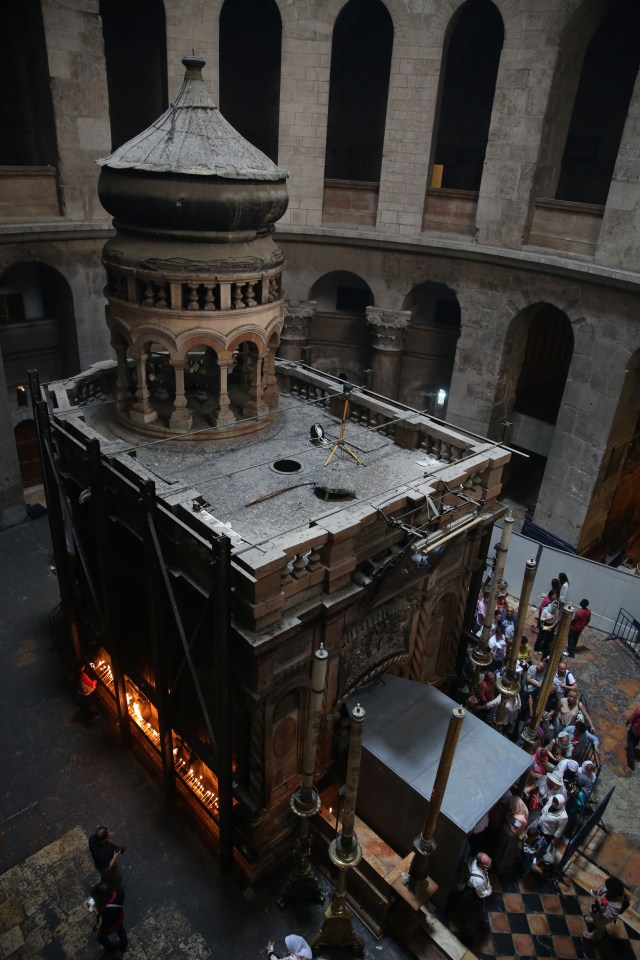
{"type": "Point", "coordinates": [537, 354]}
{"type": "Point", "coordinates": [338, 334]}
{"type": "Point", "coordinates": [37, 332]}
{"type": "Point", "coordinates": [250, 84]}
{"type": "Point", "coordinates": [611, 531]}
{"type": "Point", "coordinates": [475, 38]}
{"type": "Point", "coordinates": [609, 71]}
{"type": "Point", "coordinates": [430, 347]}
{"type": "Point", "coordinates": [135, 46]}
{"type": "Point", "coordinates": [28, 453]}
{"type": "Point", "coordinates": [358, 90]}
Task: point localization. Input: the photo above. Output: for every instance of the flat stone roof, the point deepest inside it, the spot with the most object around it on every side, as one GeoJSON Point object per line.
{"type": "Point", "coordinates": [229, 474]}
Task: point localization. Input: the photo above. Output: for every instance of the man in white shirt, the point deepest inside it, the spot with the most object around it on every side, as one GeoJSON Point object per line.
{"type": "Point", "coordinates": [479, 876]}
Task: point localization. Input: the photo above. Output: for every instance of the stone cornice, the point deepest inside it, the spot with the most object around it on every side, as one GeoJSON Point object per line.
{"type": "Point", "coordinates": [570, 268]}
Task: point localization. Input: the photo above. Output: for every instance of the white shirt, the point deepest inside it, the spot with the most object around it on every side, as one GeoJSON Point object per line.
{"type": "Point", "coordinates": [479, 879]}
{"type": "Point", "coordinates": [552, 822]}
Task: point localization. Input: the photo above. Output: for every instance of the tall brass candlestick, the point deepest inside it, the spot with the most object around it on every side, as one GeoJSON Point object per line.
{"type": "Point", "coordinates": [302, 883]}
{"type": "Point", "coordinates": [481, 654]}
{"type": "Point", "coordinates": [424, 845]}
{"type": "Point", "coordinates": [345, 852]}
{"type": "Point", "coordinates": [508, 683]}
{"type": "Point", "coordinates": [530, 734]}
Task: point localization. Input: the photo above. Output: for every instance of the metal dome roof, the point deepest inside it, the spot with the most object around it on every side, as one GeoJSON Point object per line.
{"type": "Point", "coordinates": [192, 138]}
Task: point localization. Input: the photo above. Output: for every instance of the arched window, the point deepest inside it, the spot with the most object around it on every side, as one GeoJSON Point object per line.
{"type": "Point", "coordinates": [606, 83]}
{"type": "Point", "coordinates": [250, 43]}
{"type": "Point", "coordinates": [26, 112]}
{"type": "Point", "coordinates": [359, 86]}
{"type": "Point", "coordinates": [37, 323]}
{"type": "Point", "coordinates": [430, 350]}
{"type": "Point", "coordinates": [472, 60]}
{"type": "Point", "coordinates": [338, 335]}
{"type": "Point", "coordinates": [135, 45]}
{"type": "Point", "coordinates": [537, 354]}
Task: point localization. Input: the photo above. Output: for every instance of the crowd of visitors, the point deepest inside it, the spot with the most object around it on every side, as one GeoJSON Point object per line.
{"type": "Point", "coordinates": [524, 831]}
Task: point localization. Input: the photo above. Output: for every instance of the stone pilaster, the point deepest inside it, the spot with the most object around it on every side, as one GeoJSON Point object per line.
{"type": "Point", "coordinates": [298, 315]}
{"type": "Point", "coordinates": [387, 339]}
{"type": "Point", "coordinates": [180, 420]}
{"type": "Point", "coordinates": [142, 410]}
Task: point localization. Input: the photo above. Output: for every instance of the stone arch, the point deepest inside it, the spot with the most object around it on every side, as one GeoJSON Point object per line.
{"type": "Point", "coordinates": [472, 49]}
{"type": "Point", "coordinates": [601, 105]}
{"type": "Point", "coordinates": [358, 91]}
{"type": "Point", "coordinates": [135, 44]}
{"type": "Point", "coordinates": [612, 525]}
{"type": "Point", "coordinates": [185, 341]}
{"type": "Point", "coordinates": [430, 347]}
{"type": "Point", "coordinates": [250, 99]}
{"type": "Point", "coordinates": [28, 125]}
{"type": "Point", "coordinates": [338, 334]}
{"type": "Point", "coordinates": [39, 324]}
{"type": "Point", "coordinates": [537, 352]}
{"type": "Point", "coordinates": [575, 34]}
{"type": "Point", "coordinates": [144, 337]}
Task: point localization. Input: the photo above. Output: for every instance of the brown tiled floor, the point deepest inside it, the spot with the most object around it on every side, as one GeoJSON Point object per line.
{"type": "Point", "coordinates": [526, 919]}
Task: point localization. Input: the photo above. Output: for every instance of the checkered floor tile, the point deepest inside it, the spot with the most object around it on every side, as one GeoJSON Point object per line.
{"type": "Point", "coordinates": [526, 919]}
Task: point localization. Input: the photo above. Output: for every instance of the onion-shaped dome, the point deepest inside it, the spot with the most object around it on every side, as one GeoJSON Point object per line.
{"type": "Point", "coordinates": [192, 171]}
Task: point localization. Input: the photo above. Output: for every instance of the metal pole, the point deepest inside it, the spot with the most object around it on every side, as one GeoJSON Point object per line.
{"type": "Point", "coordinates": [222, 626]}
{"type": "Point", "coordinates": [345, 852]}
{"type": "Point", "coordinates": [481, 655]}
{"type": "Point", "coordinates": [302, 883]}
{"type": "Point", "coordinates": [424, 845]}
{"type": "Point", "coordinates": [530, 734]}
{"type": "Point", "coordinates": [153, 592]}
{"type": "Point", "coordinates": [508, 683]}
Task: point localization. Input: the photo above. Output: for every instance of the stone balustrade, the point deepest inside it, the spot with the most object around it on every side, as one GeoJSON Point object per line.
{"type": "Point", "coordinates": [194, 294]}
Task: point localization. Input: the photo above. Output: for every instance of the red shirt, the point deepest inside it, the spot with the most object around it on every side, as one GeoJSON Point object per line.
{"type": "Point", "coordinates": [634, 720]}
{"type": "Point", "coordinates": [580, 619]}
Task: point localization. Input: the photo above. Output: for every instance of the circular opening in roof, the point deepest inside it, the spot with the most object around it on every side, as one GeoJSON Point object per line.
{"type": "Point", "coordinates": [287, 466]}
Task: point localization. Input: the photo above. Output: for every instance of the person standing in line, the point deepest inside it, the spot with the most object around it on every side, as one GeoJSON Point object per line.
{"type": "Point", "coordinates": [546, 628]}
{"type": "Point", "coordinates": [610, 901]}
{"type": "Point", "coordinates": [633, 737]}
{"type": "Point", "coordinates": [563, 596]}
{"type": "Point", "coordinates": [580, 620]}
{"type": "Point", "coordinates": [108, 906]}
{"type": "Point", "coordinates": [105, 855]}
{"type": "Point", "coordinates": [553, 822]}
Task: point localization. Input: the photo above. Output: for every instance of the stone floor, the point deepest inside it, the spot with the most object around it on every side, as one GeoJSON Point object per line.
{"type": "Point", "coordinates": [60, 779]}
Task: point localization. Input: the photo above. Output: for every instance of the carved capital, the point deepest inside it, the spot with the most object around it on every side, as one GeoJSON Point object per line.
{"type": "Point", "coordinates": [387, 328]}
{"type": "Point", "coordinates": [297, 317]}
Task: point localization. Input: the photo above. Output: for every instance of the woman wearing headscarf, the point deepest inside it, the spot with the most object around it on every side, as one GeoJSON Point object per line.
{"type": "Point", "coordinates": [297, 949]}
{"type": "Point", "coordinates": [587, 776]}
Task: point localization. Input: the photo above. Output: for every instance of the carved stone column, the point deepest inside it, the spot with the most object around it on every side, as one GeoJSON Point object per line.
{"type": "Point", "coordinates": [387, 339]}
{"type": "Point", "coordinates": [255, 405]}
{"type": "Point", "coordinates": [270, 388]}
{"type": "Point", "coordinates": [225, 413]}
{"type": "Point", "coordinates": [181, 418]}
{"type": "Point", "coordinates": [142, 411]}
{"type": "Point", "coordinates": [121, 392]}
{"type": "Point", "coordinates": [298, 315]}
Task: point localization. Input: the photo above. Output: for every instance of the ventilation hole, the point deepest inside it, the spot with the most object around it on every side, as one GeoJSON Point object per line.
{"type": "Point", "coordinates": [287, 466]}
